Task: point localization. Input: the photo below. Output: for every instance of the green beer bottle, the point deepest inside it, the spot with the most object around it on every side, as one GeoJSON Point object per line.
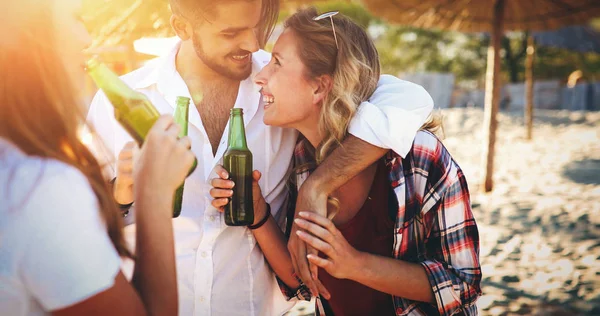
{"type": "Point", "coordinates": [237, 160]}
{"type": "Point", "coordinates": [181, 118]}
{"type": "Point", "coordinates": [133, 110]}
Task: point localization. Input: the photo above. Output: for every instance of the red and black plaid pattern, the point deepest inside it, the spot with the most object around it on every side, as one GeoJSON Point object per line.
{"type": "Point", "coordinates": [434, 226]}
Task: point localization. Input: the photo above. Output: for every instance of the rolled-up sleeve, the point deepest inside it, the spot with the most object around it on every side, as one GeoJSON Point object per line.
{"type": "Point", "coordinates": [393, 115]}
{"type": "Point", "coordinates": [454, 270]}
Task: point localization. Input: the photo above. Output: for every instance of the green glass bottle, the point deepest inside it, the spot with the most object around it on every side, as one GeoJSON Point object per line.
{"type": "Point", "coordinates": [181, 118]}
{"type": "Point", "coordinates": [237, 160]}
{"type": "Point", "coordinates": [133, 110]}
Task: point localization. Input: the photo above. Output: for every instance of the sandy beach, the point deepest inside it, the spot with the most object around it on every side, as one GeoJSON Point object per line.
{"type": "Point", "coordinates": [540, 227]}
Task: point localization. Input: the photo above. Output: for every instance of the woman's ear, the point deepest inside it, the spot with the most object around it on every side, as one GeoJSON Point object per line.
{"type": "Point", "coordinates": [181, 27]}
{"type": "Point", "coordinates": [322, 86]}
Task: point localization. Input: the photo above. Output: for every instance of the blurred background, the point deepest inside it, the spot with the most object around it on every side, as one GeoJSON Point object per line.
{"type": "Point", "coordinates": [518, 86]}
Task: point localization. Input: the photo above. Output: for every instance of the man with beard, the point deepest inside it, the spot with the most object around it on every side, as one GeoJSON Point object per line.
{"type": "Point", "coordinates": [221, 270]}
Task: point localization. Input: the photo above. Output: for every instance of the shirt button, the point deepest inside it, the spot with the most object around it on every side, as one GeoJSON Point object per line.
{"type": "Point", "coordinates": [204, 254]}
{"type": "Point", "coordinates": [201, 299]}
{"type": "Point", "coordinates": [212, 218]}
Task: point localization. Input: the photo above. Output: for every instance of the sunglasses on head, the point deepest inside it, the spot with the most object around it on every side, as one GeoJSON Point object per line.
{"type": "Point", "coordinates": [330, 16]}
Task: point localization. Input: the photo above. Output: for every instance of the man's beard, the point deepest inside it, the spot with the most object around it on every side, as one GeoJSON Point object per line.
{"type": "Point", "coordinates": [233, 74]}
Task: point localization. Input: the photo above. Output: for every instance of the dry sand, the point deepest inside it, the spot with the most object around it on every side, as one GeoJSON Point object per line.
{"type": "Point", "coordinates": [540, 228]}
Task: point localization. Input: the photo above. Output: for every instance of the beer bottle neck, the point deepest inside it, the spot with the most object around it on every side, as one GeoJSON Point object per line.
{"type": "Point", "coordinates": [183, 102]}
{"type": "Point", "coordinates": [237, 133]}
{"type": "Point", "coordinates": [181, 114]}
{"type": "Point", "coordinates": [113, 87]}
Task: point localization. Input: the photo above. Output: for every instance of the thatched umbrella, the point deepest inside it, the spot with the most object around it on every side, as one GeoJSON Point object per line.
{"type": "Point", "coordinates": [494, 16]}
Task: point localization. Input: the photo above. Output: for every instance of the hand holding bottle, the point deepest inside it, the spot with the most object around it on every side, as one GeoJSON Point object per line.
{"type": "Point", "coordinates": [237, 160]}
{"type": "Point", "coordinates": [223, 190]}
{"type": "Point", "coordinates": [123, 186]}
{"type": "Point", "coordinates": [164, 160]}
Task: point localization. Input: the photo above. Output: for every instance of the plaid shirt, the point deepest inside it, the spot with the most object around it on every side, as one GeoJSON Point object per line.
{"type": "Point", "coordinates": [434, 226]}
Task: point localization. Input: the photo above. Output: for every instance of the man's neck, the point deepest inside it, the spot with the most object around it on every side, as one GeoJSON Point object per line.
{"type": "Point", "coordinates": [192, 68]}
{"type": "Point", "coordinates": [213, 94]}
{"type": "Point", "coordinates": [200, 79]}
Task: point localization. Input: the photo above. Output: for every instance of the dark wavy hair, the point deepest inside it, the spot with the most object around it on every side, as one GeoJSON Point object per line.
{"type": "Point", "coordinates": [199, 8]}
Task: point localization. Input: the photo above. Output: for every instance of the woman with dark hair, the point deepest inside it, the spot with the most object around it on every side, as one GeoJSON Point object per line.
{"type": "Point", "coordinates": [60, 229]}
{"type": "Point", "coordinates": [399, 238]}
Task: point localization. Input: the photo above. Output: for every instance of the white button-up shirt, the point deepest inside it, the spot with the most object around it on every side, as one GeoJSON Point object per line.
{"type": "Point", "coordinates": [220, 269]}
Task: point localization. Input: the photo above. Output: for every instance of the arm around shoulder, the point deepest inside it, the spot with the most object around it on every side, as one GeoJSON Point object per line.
{"type": "Point", "coordinates": [393, 115]}
{"type": "Point", "coordinates": [390, 119]}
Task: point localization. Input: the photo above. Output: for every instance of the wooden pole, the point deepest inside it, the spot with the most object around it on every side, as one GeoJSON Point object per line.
{"type": "Point", "coordinates": [492, 95]}
{"type": "Point", "coordinates": [529, 87]}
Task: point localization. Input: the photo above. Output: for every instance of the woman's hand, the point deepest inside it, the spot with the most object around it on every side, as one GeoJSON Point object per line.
{"type": "Point", "coordinates": [223, 190]}
{"type": "Point", "coordinates": [310, 199]}
{"type": "Point", "coordinates": [164, 159]}
{"type": "Point", "coordinates": [343, 261]}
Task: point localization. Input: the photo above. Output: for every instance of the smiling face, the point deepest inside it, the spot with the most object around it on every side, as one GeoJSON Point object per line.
{"type": "Point", "coordinates": [225, 38]}
{"type": "Point", "coordinates": [291, 97]}
{"type": "Point", "coordinates": [316, 81]}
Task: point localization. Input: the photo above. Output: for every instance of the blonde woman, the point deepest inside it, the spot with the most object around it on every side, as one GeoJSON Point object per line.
{"type": "Point", "coordinates": [60, 230]}
{"type": "Point", "coordinates": [402, 239]}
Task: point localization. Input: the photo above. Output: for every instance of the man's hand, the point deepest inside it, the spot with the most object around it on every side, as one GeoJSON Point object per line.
{"type": "Point", "coordinates": [309, 200]}
{"type": "Point", "coordinates": [123, 187]}
{"type": "Point", "coordinates": [342, 261]}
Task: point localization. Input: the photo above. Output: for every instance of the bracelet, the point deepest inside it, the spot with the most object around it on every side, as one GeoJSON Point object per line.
{"type": "Point", "coordinates": [123, 207]}
{"type": "Point", "coordinates": [262, 221]}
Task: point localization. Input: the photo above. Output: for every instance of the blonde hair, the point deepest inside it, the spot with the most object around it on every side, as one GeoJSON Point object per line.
{"type": "Point", "coordinates": [39, 111]}
{"type": "Point", "coordinates": [353, 66]}
{"type": "Point", "coordinates": [434, 125]}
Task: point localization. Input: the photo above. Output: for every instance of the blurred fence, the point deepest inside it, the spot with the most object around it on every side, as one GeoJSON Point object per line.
{"type": "Point", "coordinates": [549, 95]}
